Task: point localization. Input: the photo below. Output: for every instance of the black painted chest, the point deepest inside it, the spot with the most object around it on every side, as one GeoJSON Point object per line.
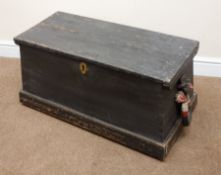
{"type": "Point", "coordinates": [116, 81]}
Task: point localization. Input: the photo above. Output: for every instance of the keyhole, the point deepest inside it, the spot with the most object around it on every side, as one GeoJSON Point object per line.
{"type": "Point", "coordinates": [83, 68]}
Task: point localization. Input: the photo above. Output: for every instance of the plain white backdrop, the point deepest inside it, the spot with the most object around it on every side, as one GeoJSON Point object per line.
{"type": "Point", "coordinates": [195, 19]}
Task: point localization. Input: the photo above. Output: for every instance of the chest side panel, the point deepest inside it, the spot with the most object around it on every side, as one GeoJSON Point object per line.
{"type": "Point", "coordinates": [172, 111]}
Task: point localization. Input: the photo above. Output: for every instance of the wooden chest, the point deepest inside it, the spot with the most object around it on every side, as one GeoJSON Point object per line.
{"type": "Point", "coordinates": [119, 82]}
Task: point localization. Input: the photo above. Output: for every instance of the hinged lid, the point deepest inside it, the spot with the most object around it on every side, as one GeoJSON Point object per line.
{"type": "Point", "coordinates": [153, 55]}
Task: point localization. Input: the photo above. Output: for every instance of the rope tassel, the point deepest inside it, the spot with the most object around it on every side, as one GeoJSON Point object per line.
{"type": "Point", "coordinates": [185, 109]}
{"type": "Point", "coordinates": [183, 99]}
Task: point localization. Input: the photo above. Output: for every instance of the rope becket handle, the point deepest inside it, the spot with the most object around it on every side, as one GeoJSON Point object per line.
{"type": "Point", "coordinates": [184, 100]}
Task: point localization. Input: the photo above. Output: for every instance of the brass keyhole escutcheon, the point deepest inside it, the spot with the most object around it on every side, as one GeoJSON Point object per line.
{"type": "Point", "coordinates": [83, 68]}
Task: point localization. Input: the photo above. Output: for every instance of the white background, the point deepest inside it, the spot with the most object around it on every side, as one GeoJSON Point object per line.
{"type": "Point", "coordinates": [196, 19]}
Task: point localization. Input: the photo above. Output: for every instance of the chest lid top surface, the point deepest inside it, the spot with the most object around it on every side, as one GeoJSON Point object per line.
{"type": "Point", "coordinates": [149, 54]}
